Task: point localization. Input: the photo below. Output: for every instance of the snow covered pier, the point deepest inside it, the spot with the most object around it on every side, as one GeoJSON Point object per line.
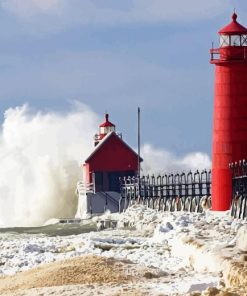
{"type": "Point", "coordinates": [170, 192]}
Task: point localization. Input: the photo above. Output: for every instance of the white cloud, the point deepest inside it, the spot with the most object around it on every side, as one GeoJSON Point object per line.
{"type": "Point", "coordinates": [158, 160]}
{"type": "Point", "coordinates": [112, 11]}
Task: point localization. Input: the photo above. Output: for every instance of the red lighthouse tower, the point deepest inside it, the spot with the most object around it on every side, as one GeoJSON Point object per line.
{"type": "Point", "coordinates": [230, 109]}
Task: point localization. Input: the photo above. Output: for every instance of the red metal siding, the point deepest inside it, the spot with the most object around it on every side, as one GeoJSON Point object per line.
{"type": "Point", "coordinates": [114, 155]}
{"type": "Point", "coordinates": [86, 175]}
{"type": "Point", "coordinates": [230, 127]}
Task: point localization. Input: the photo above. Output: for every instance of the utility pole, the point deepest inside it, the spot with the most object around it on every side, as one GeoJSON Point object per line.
{"type": "Point", "coordinates": [139, 142]}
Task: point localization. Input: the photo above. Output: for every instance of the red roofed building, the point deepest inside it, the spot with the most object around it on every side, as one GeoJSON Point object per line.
{"type": "Point", "coordinates": [111, 159]}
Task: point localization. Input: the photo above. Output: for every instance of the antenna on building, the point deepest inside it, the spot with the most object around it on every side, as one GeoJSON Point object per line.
{"type": "Point", "coordinates": [139, 142]}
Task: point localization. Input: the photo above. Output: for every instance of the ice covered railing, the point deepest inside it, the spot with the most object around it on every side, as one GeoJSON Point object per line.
{"type": "Point", "coordinates": [239, 189]}
{"type": "Point", "coordinates": [169, 192]}
{"type": "Point", "coordinates": [82, 189]}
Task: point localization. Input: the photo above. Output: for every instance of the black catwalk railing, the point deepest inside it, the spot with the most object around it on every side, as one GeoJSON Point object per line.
{"type": "Point", "coordinates": [169, 192]}
{"type": "Point", "coordinates": [239, 189]}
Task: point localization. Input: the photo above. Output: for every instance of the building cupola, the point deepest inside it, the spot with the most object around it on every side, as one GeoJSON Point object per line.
{"type": "Point", "coordinates": [105, 128]}
{"type": "Point", "coordinates": [233, 34]}
{"type": "Point", "coordinates": [233, 43]}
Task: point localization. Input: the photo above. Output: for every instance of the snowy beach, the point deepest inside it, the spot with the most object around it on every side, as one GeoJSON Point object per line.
{"type": "Point", "coordinates": [175, 253]}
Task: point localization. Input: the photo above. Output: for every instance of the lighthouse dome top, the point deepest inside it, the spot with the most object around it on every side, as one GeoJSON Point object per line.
{"type": "Point", "coordinates": [105, 128]}
{"type": "Point", "coordinates": [107, 123]}
{"type": "Point", "coordinates": [233, 28]}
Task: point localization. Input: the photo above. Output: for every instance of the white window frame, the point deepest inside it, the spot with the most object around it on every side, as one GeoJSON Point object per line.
{"type": "Point", "coordinates": [244, 40]}
{"type": "Point", "coordinates": [235, 40]}
{"type": "Point", "coordinates": [224, 40]}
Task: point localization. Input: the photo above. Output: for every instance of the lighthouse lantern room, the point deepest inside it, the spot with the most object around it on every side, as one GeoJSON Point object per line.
{"type": "Point", "coordinates": [105, 128]}
{"type": "Point", "coordinates": [230, 109]}
{"type": "Point", "coordinates": [111, 159]}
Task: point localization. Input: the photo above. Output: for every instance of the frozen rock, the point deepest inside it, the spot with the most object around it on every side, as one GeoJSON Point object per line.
{"type": "Point", "coordinates": [166, 227]}
{"type": "Point", "coordinates": [33, 249]}
{"type": "Point", "coordinates": [183, 223]}
{"type": "Point", "coordinates": [25, 263]}
{"type": "Point", "coordinates": [201, 286]}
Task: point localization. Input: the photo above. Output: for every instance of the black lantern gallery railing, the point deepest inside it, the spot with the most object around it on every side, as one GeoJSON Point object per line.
{"type": "Point", "coordinates": [239, 189]}
{"type": "Point", "coordinates": [170, 192]}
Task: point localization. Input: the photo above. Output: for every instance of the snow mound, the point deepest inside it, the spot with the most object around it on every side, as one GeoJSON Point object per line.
{"type": "Point", "coordinates": [241, 239]}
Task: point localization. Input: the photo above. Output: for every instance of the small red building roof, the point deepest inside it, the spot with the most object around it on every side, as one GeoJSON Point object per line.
{"type": "Point", "coordinates": [107, 122]}
{"type": "Point", "coordinates": [102, 143]}
{"type": "Point", "coordinates": [233, 28]}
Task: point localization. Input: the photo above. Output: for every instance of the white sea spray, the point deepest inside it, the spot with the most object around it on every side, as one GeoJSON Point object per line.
{"type": "Point", "coordinates": [40, 156]}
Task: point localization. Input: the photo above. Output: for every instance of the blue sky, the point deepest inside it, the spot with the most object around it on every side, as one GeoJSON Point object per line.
{"type": "Point", "coordinates": [116, 55]}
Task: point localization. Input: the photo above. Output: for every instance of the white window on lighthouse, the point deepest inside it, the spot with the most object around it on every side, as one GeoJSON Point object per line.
{"type": "Point", "coordinates": [107, 129]}
{"type": "Point", "coordinates": [244, 40]}
{"type": "Point", "coordinates": [235, 40]}
{"type": "Point", "coordinates": [224, 40]}
{"type": "Point", "coordinates": [102, 130]}
{"type": "Point", "coordinates": [111, 129]}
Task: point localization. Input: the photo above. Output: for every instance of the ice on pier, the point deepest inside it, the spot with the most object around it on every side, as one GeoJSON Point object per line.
{"type": "Point", "coordinates": [191, 246]}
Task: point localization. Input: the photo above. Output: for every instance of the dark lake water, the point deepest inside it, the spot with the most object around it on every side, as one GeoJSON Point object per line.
{"type": "Point", "coordinates": [60, 229]}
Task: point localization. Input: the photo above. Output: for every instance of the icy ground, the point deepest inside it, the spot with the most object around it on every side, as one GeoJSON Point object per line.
{"type": "Point", "coordinates": [187, 247]}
